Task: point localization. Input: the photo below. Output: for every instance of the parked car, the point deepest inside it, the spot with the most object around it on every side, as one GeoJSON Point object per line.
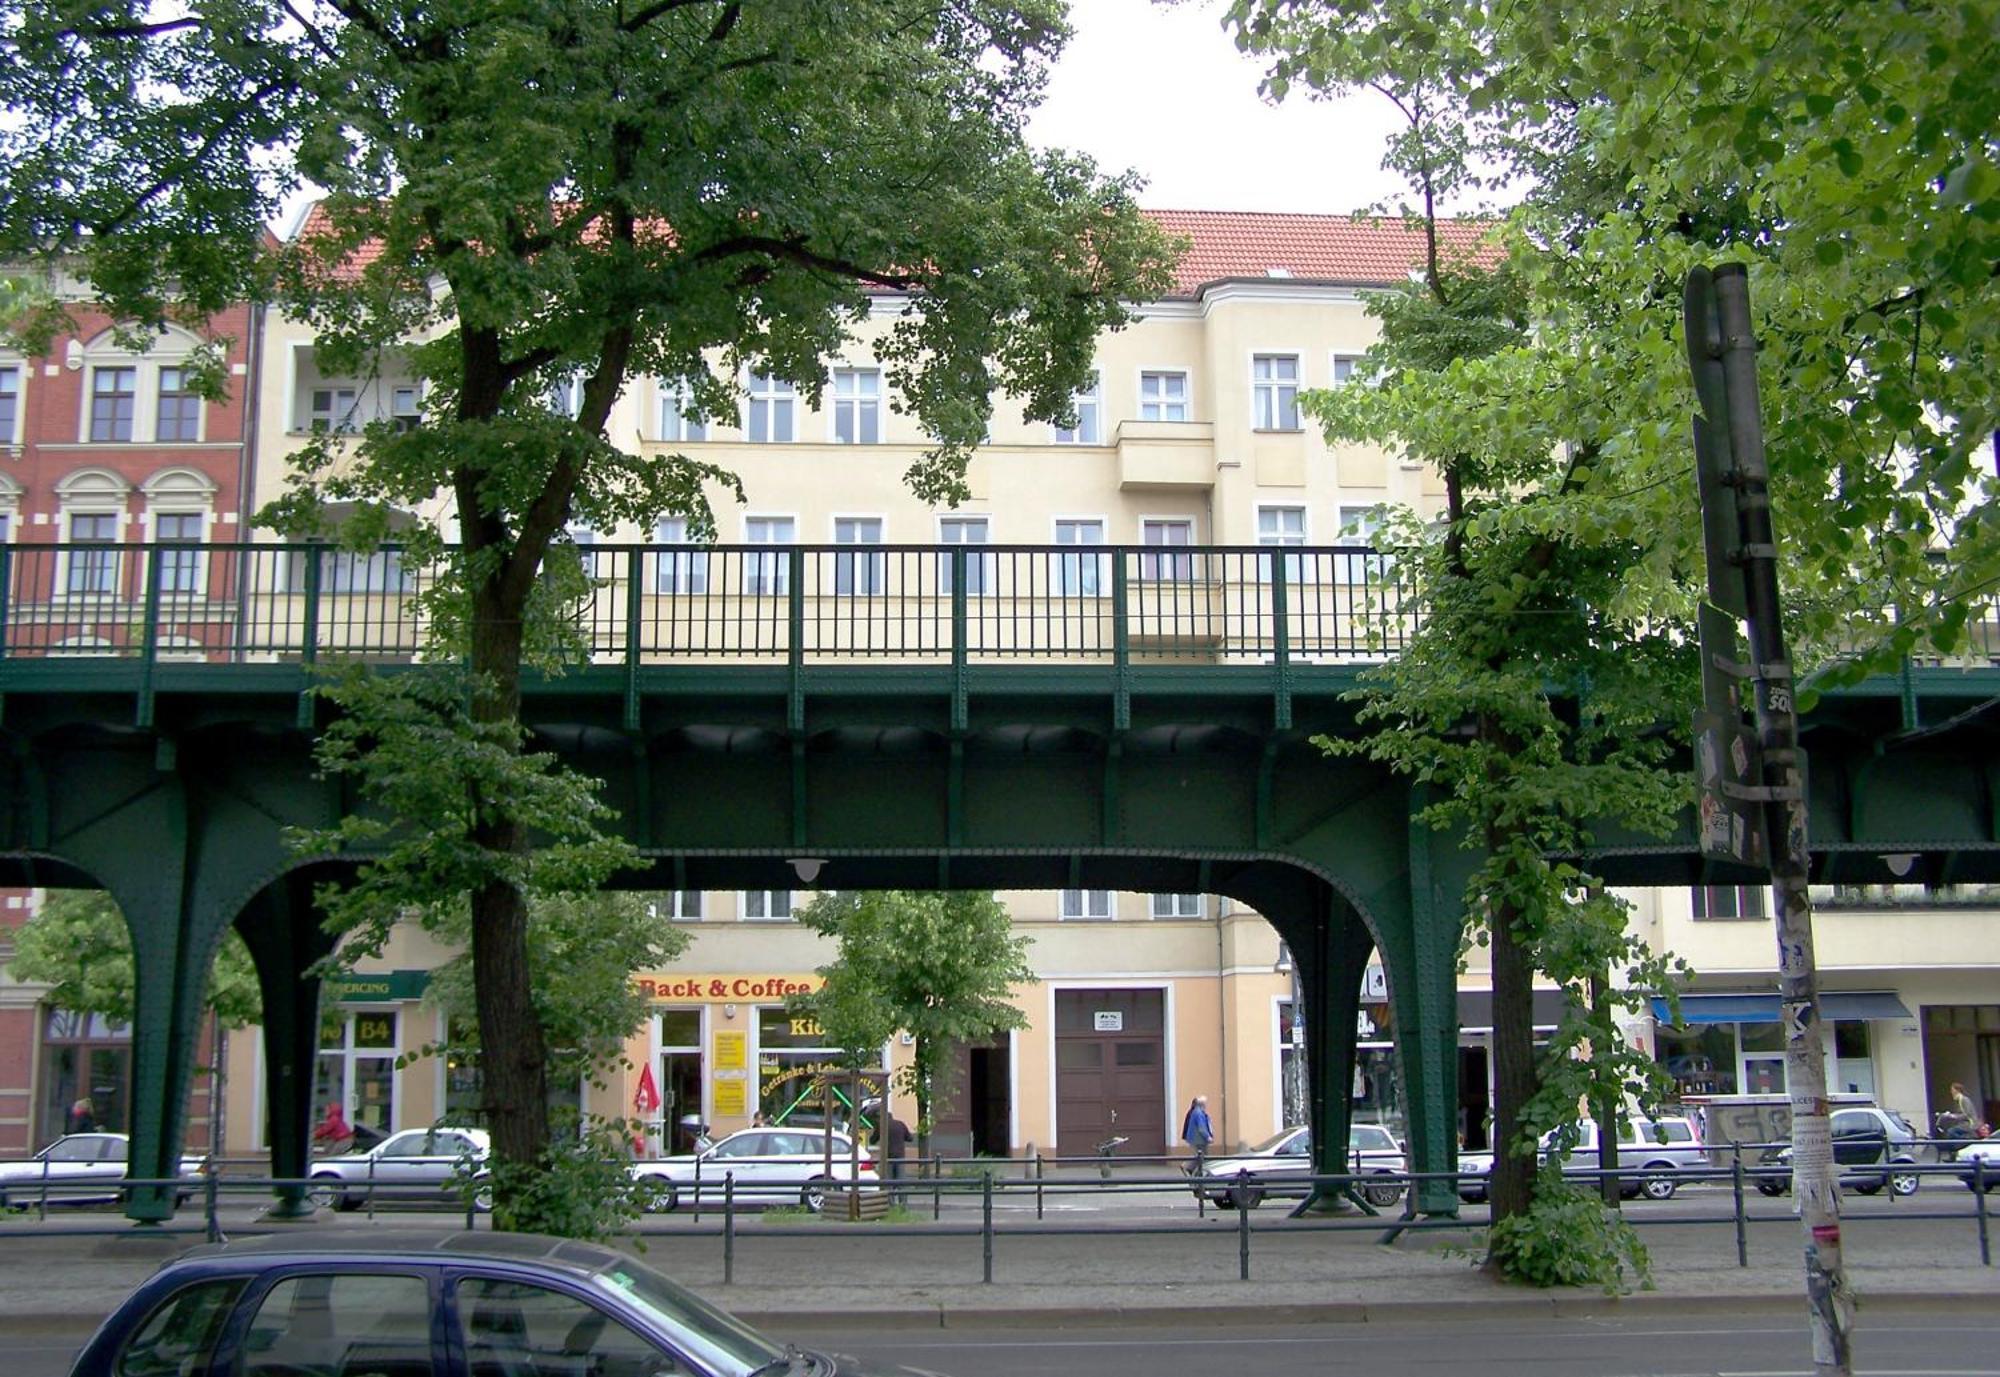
{"type": "Point", "coordinates": [768, 1165]}
{"type": "Point", "coordinates": [429, 1304]}
{"type": "Point", "coordinates": [1869, 1144]}
{"type": "Point", "coordinates": [425, 1164]}
{"type": "Point", "coordinates": [1280, 1166]}
{"type": "Point", "coordinates": [1653, 1150]}
{"type": "Point", "coordinates": [82, 1169]}
{"type": "Point", "coordinates": [1980, 1150]}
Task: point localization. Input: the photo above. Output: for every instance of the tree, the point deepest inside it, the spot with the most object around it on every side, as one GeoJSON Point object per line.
{"type": "Point", "coordinates": [524, 195]}
{"type": "Point", "coordinates": [940, 967]}
{"type": "Point", "coordinates": [81, 948]}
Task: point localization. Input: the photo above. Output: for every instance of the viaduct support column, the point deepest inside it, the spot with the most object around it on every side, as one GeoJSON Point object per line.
{"type": "Point", "coordinates": [283, 931]}
{"type": "Point", "coordinates": [1331, 946]}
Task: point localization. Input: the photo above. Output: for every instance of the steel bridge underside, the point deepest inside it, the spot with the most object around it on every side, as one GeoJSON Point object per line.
{"type": "Point", "coordinates": [1160, 778]}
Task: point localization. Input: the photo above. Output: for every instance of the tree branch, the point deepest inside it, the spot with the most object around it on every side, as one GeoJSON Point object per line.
{"type": "Point", "coordinates": [654, 11]}
{"type": "Point", "coordinates": [166, 180]}
{"type": "Point", "coordinates": [132, 30]}
{"type": "Point", "coordinates": [794, 250]}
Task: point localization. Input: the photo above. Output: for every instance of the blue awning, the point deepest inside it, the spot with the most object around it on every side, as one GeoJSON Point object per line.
{"type": "Point", "coordinates": [1839, 1005]}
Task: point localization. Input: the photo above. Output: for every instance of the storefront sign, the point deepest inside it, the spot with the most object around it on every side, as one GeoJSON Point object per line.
{"type": "Point", "coordinates": [732, 1050]}
{"type": "Point", "coordinates": [724, 989]}
{"type": "Point", "coordinates": [1108, 1021]}
{"type": "Point", "coordinates": [729, 1098]}
{"type": "Point", "coordinates": [378, 987]}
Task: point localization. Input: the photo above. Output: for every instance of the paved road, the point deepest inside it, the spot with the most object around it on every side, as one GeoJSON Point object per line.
{"type": "Point", "coordinates": [1662, 1342]}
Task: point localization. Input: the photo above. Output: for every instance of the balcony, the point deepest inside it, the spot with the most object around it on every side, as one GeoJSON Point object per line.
{"type": "Point", "coordinates": [1166, 456]}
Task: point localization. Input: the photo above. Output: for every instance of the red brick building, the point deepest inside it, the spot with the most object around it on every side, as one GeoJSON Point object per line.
{"type": "Point", "coordinates": [100, 447]}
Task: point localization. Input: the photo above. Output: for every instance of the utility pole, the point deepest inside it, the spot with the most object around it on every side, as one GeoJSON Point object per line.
{"type": "Point", "coordinates": [1753, 802]}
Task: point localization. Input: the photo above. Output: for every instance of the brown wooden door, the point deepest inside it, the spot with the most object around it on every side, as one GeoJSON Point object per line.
{"type": "Point", "coordinates": [1111, 1071]}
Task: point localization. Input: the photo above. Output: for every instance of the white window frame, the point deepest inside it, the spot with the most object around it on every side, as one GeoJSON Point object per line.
{"type": "Point", "coordinates": [1164, 566]}
{"type": "Point", "coordinates": [678, 571]}
{"type": "Point", "coordinates": [1338, 359]}
{"type": "Point", "coordinates": [768, 575]}
{"type": "Point", "coordinates": [672, 425]}
{"type": "Point", "coordinates": [679, 910]}
{"type": "Point", "coordinates": [1070, 575]}
{"type": "Point", "coordinates": [93, 492]}
{"type": "Point", "coordinates": [1175, 907]}
{"type": "Point", "coordinates": [763, 901]}
{"type": "Point", "coordinates": [10, 434]}
{"type": "Point", "coordinates": [1074, 905]}
{"type": "Point", "coordinates": [406, 405]}
{"type": "Point", "coordinates": [861, 409]}
{"type": "Point", "coordinates": [780, 399]}
{"type": "Point", "coordinates": [1294, 565]}
{"type": "Point", "coordinates": [333, 420]}
{"type": "Point", "coordinates": [982, 571]}
{"type": "Point", "coordinates": [863, 574]}
{"type": "Point", "coordinates": [585, 540]}
{"type": "Point", "coordinates": [197, 566]}
{"type": "Point", "coordinates": [1165, 402]}
{"type": "Point", "coordinates": [10, 509]}
{"type": "Point", "coordinates": [1275, 388]}
{"type": "Point", "coordinates": [1089, 427]}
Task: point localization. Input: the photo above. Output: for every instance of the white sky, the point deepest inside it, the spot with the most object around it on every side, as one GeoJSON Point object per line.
{"type": "Point", "coordinates": [1165, 92]}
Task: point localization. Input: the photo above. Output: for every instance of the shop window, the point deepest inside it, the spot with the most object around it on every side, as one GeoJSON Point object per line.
{"type": "Point", "coordinates": [356, 1069]}
{"type": "Point", "coordinates": [1701, 1058]}
{"type": "Point", "coordinates": [85, 1057]}
{"type": "Point", "coordinates": [1853, 1059]}
{"type": "Point", "coordinates": [791, 1054]}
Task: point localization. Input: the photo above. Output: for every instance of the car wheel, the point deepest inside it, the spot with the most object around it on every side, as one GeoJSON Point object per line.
{"type": "Point", "coordinates": [1226, 1200]}
{"type": "Point", "coordinates": [1770, 1187]}
{"type": "Point", "coordinates": [1904, 1182]}
{"type": "Point", "coordinates": [813, 1197]}
{"type": "Point", "coordinates": [1382, 1192]}
{"type": "Point", "coordinates": [1868, 1187]}
{"type": "Point", "coordinates": [326, 1193]}
{"type": "Point", "coordinates": [482, 1198]}
{"type": "Point", "coordinates": [1659, 1187]}
{"type": "Point", "coordinates": [665, 1198]}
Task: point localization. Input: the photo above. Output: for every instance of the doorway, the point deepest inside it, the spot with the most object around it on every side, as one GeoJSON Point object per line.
{"type": "Point", "coordinates": [1110, 1048]}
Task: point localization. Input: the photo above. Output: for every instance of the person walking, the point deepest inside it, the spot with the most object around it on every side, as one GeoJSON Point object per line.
{"type": "Point", "coordinates": [1197, 1132]}
{"type": "Point", "coordinates": [82, 1117]}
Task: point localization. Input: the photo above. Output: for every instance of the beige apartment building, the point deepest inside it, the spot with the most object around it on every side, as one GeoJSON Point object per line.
{"type": "Point", "coordinates": [1191, 436]}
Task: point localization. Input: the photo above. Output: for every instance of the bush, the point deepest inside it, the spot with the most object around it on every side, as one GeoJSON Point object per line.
{"type": "Point", "coordinates": [1569, 1237]}
{"type": "Point", "coordinates": [580, 1189]}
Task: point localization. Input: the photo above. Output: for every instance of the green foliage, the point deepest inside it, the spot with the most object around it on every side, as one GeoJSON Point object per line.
{"type": "Point", "coordinates": [937, 966]}
{"type": "Point", "coordinates": [80, 947]}
{"type": "Point", "coordinates": [579, 1188]}
{"type": "Point", "coordinates": [1569, 1237]}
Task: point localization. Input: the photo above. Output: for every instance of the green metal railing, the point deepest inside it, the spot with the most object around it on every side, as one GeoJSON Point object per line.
{"type": "Point", "coordinates": [822, 603]}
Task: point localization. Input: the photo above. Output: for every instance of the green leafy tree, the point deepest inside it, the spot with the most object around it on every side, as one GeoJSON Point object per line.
{"type": "Point", "coordinates": [521, 195]}
{"type": "Point", "coordinates": [939, 967]}
{"type": "Point", "coordinates": [81, 948]}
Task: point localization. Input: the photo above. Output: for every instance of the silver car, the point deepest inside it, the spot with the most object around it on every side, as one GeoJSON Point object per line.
{"type": "Point", "coordinates": [81, 1169]}
{"type": "Point", "coordinates": [1278, 1165]}
{"type": "Point", "coordinates": [768, 1166]}
{"type": "Point", "coordinates": [417, 1164]}
{"type": "Point", "coordinates": [1653, 1150]}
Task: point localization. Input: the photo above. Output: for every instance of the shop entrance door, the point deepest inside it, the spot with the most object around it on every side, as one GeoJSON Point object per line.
{"type": "Point", "coordinates": [1111, 1071]}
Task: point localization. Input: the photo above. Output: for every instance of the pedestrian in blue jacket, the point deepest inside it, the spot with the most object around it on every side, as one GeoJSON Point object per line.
{"type": "Point", "coordinates": [1197, 1132]}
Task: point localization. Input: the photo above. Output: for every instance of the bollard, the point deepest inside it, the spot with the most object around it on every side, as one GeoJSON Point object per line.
{"type": "Point", "coordinates": [208, 1190]}
{"type": "Point", "coordinates": [986, 1223]}
{"type": "Point", "coordinates": [1038, 1185]}
{"type": "Point", "coordinates": [937, 1186]}
{"type": "Point", "coordinates": [1979, 1208]}
{"type": "Point", "coordinates": [1736, 1184]}
{"type": "Point", "coordinates": [728, 1227]}
{"type": "Point", "coordinates": [1242, 1230]}
{"type": "Point", "coordinates": [697, 1188]}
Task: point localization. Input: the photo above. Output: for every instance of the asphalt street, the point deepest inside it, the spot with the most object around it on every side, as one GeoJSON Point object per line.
{"type": "Point", "coordinates": [1663, 1342]}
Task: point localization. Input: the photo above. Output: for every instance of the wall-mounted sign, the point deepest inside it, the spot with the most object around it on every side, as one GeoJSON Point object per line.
{"type": "Point", "coordinates": [729, 1098]}
{"type": "Point", "coordinates": [724, 989]}
{"type": "Point", "coordinates": [1375, 985]}
{"type": "Point", "coordinates": [732, 1049]}
{"type": "Point", "coordinates": [1108, 1020]}
{"type": "Point", "coordinates": [377, 987]}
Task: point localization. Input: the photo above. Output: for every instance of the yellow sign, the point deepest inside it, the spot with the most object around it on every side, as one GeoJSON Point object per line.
{"type": "Point", "coordinates": [732, 1049]}
{"type": "Point", "coordinates": [724, 989]}
{"type": "Point", "coordinates": [728, 1098]}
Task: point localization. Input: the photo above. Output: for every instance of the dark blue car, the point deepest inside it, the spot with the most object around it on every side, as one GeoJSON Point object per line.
{"type": "Point", "coordinates": [391, 1304]}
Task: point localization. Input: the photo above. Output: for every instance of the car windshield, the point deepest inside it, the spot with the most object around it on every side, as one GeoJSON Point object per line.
{"type": "Point", "coordinates": [1274, 1142]}
{"type": "Point", "coordinates": [716, 1340]}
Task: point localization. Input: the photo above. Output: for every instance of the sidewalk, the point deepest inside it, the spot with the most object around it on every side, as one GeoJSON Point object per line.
{"type": "Point", "coordinates": [789, 1275]}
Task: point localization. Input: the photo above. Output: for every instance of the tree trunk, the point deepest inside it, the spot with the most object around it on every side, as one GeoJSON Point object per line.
{"type": "Point", "coordinates": [514, 1074]}
{"type": "Point", "coordinates": [1514, 1074]}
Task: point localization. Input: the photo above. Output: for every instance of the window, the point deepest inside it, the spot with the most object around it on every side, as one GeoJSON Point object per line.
{"type": "Point", "coordinates": [676, 421]}
{"type": "Point", "coordinates": [1177, 906]}
{"type": "Point", "coordinates": [356, 1068]}
{"type": "Point", "coordinates": [565, 396]}
{"type": "Point", "coordinates": [1163, 396]}
{"type": "Point", "coordinates": [1170, 532]}
{"type": "Point", "coordinates": [334, 409]}
{"type": "Point", "coordinates": [1275, 391]}
{"type": "Point", "coordinates": [772, 403]}
{"type": "Point", "coordinates": [513, 1327]}
{"type": "Point", "coordinates": [1089, 427]}
{"type": "Point", "coordinates": [1282, 526]}
{"type": "Point", "coordinates": [1080, 575]}
{"type": "Point", "coordinates": [585, 541]}
{"type": "Point", "coordinates": [1729, 901]}
{"type": "Point", "coordinates": [345, 1322]}
{"type": "Point", "coordinates": [181, 1332]}
{"type": "Point", "coordinates": [678, 571]}
{"type": "Point", "coordinates": [857, 406]}
{"type": "Point", "coordinates": [1343, 368]}
{"type": "Point", "coordinates": [981, 572]}
{"type": "Point", "coordinates": [768, 573]}
{"type": "Point", "coordinates": [683, 905]}
{"type": "Point", "coordinates": [180, 570]}
{"type": "Point", "coordinates": [1358, 526]}
{"type": "Point", "coordinates": [1086, 903]}
{"type": "Point", "coordinates": [179, 409]}
{"type": "Point", "coordinates": [93, 572]}
{"type": "Point", "coordinates": [10, 404]}
{"type": "Point", "coordinates": [406, 407]}
{"type": "Point", "coordinates": [114, 398]}
{"type": "Point", "coordinates": [767, 904]}
{"type": "Point", "coordinates": [858, 574]}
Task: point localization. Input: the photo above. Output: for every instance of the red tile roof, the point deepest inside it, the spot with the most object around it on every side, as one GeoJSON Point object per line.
{"type": "Point", "coordinates": [1324, 248]}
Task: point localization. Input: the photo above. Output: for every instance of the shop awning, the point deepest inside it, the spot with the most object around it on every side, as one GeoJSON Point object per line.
{"type": "Point", "coordinates": [1763, 1008]}
{"type": "Point", "coordinates": [1475, 1009]}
